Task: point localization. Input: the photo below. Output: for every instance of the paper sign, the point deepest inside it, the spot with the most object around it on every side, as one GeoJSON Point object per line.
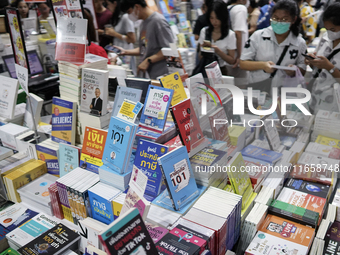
{"type": "Point", "coordinates": [138, 181]}
{"type": "Point", "coordinates": [22, 74]}
{"type": "Point", "coordinates": [129, 110]}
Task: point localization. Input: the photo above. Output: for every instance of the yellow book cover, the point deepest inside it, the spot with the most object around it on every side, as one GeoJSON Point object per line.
{"type": "Point", "coordinates": [117, 208]}
{"type": "Point", "coordinates": [182, 43]}
{"type": "Point", "coordinates": [173, 81]}
{"type": "Point", "coordinates": [239, 178]}
{"type": "Point", "coordinates": [17, 167]}
{"type": "Point", "coordinates": [335, 143]}
{"type": "Point", "coordinates": [67, 213]}
{"type": "Point", "coordinates": [23, 176]}
{"type": "Point", "coordinates": [229, 188]}
{"type": "Point", "coordinates": [248, 204]}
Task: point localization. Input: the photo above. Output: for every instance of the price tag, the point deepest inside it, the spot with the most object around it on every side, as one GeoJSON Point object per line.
{"type": "Point", "coordinates": [22, 74]}
{"type": "Point", "coordinates": [181, 176]}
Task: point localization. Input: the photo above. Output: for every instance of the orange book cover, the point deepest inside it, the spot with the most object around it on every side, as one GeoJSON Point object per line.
{"type": "Point", "coordinates": [288, 230]}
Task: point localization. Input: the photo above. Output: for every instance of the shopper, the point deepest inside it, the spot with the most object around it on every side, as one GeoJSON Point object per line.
{"type": "Point", "coordinates": [202, 20]}
{"type": "Point", "coordinates": [309, 23]}
{"type": "Point", "coordinates": [327, 63]}
{"type": "Point", "coordinates": [155, 34]}
{"type": "Point", "coordinates": [265, 14]}
{"type": "Point", "coordinates": [222, 39]}
{"type": "Point", "coordinates": [103, 17]}
{"type": "Point", "coordinates": [22, 8]}
{"type": "Point", "coordinates": [238, 18]}
{"type": "Point", "coordinates": [254, 13]}
{"type": "Point", "coordinates": [44, 10]}
{"type": "Point", "coordinates": [265, 47]}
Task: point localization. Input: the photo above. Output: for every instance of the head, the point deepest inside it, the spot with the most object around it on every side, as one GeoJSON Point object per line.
{"type": "Point", "coordinates": [22, 8]}
{"type": "Point", "coordinates": [97, 92]}
{"type": "Point", "coordinates": [44, 9]}
{"type": "Point", "coordinates": [252, 6]}
{"type": "Point", "coordinates": [111, 5]}
{"type": "Point", "coordinates": [134, 8]}
{"type": "Point", "coordinates": [3, 4]}
{"type": "Point", "coordinates": [90, 26]}
{"type": "Point", "coordinates": [285, 17]}
{"type": "Point", "coordinates": [206, 5]}
{"type": "Point", "coordinates": [98, 4]}
{"type": "Point", "coordinates": [218, 17]}
{"type": "Point", "coordinates": [244, 2]}
{"type": "Point", "coordinates": [114, 7]}
{"type": "Point", "coordinates": [331, 21]}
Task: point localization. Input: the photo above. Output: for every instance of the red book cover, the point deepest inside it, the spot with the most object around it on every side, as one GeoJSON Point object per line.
{"type": "Point", "coordinates": [257, 171]}
{"type": "Point", "coordinates": [312, 174]}
{"type": "Point", "coordinates": [187, 124]}
{"type": "Point", "coordinates": [174, 143]}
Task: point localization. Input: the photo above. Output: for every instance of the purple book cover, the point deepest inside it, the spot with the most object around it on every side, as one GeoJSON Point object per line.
{"type": "Point", "coordinates": [156, 232]}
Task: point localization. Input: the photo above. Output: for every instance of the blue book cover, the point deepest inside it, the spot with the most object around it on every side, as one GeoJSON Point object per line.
{"type": "Point", "coordinates": [261, 154]}
{"type": "Point", "coordinates": [146, 161]}
{"type": "Point", "coordinates": [101, 208]}
{"type": "Point", "coordinates": [50, 156]}
{"type": "Point", "coordinates": [27, 215]}
{"type": "Point", "coordinates": [3, 232]}
{"type": "Point", "coordinates": [156, 107]}
{"type": "Point", "coordinates": [68, 158]}
{"type": "Point", "coordinates": [179, 177]}
{"type": "Point", "coordinates": [118, 146]}
{"type": "Point", "coordinates": [122, 93]}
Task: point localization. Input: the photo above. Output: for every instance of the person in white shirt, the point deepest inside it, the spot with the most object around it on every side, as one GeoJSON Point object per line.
{"type": "Point", "coordinates": [222, 39]}
{"type": "Point", "coordinates": [265, 46]}
{"type": "Point", "coordinates": [327, 70]}
{"type": "Point", "coordinates": [238, 19]}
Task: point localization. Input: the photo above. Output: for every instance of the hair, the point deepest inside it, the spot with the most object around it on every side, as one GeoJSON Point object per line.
{"type": "Point", "coordinates": [232, 2]}
{"type": "Point", "coordinates": [3, 4]}
{"type": "Point", "coordinates": [332, 14]}
{"type": "Point", "coordinates": [47, 3]}
{"type": "Point", "coordinates": [292, 8]}
{"type": "Point", "coordinates": [253, 4]}
{"type": "Point", "coordinates": [16, 3]}
{"type": "Point", "coordinates": [90, 26]}
{"type": "Point", "coordinates": [117, 13]}
{"type": "Point", "coordinates": [127, 4]}
{"type": "Point", "coordinates": [221, 10]}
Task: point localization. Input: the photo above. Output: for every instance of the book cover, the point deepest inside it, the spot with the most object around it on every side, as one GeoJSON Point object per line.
{"type": "Point", "coordinates": [10, 251]}
{"type": "Point", "coordinates": [93, 149]}
{"type": "Point", "coordinates": [332, 239]}
{"type": "Point", "coordinates": [156, 107]}
{"type": "Point", "coordinates": [214, 73]}
{"type": "Point", "coordinates": [122, 93]}
{"type": "Point", "coordinates": [37, 103]}
{"type": "Point", "coordinates": [118, 145]}
{"type": "Point", "coordinates": [323, 150]}
{"type": "Point", "coordinates": [174, 143]}
{"type": "Point", "coordinates": [68, 158]}
{"type": "Point", "coordinates": [63, 121]}
{"type": "Point", "coordinates": [134, 200]}
{"type": "Point", "coordinates": [71, 40]}
{"type": "Point", "coordinates": [261, 154]}
{"type": "Point", "coordinates": [127, 235]}
{"type": "Point", "coordinates": [335, 143]}
{"type": "Point", "coordinates": [11, 214]}
{"type": "Point", "coordinates": [94, 88]}
{"type": "Point", "coordinates": [146, 160]}
{"type": "Point", "coordinates": [8, 96]}
{"type": "Point", "coordinates": [173, 81]}
{"type": "Point", "coordinates": [50, 157]}
{"type": "Point", "coordinates": [54, 241]}
{"type": "Point", "coordinates": [139, 83]}
{"type": "Point", "coordinates": [219, 131]}
{"type": "Point", "coordinates": [206, 157]}
{"type": "Point", "coordinates": [101, 208]}
{"type": "Point", "coordinates": [315, 189]}
{"type": "Point", "coordinates": [179, 177]}
{"type": "Point", "coordinates": [26, 216]}
{"type": "Point", "coordinates": [156, 232]}
{"type": "Point", "coordinates": [187, 124]}
{"type": "Point", "coordinates": [314, 173]}
{"type": "Point", "coordinates": [5, 153]}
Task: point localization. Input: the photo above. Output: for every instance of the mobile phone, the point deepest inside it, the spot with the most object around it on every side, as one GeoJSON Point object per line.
{"type": "Point", "coordinates": [307, 56]}
{"type": "Point", "coordinates": [207, 42]}
{"type": "Point", "coordinates": [112, 49]}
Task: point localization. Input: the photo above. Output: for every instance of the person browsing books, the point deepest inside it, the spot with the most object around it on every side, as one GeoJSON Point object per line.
{"type": "Point", "coordinates": [22, 8]}
{"type": "Point", "coordinates": [280, 41]}
{"type": "Point", "coordinates": [326, 62]}
{"type": "Point", "coordinates": [155, 34]}
{"type": "Point", "coordinates": [97, 102]}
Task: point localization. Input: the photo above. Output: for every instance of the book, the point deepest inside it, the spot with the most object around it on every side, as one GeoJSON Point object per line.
{"type": "Point", "coordinates": [214, 73]}
{"type": "Point", "coordinates": [60, 239]}
{"type": "Point", "coordinates": [10, 251]}
{"type": "Point", "coordinates": [71, 40]}
{"type": "Point", "coordinates": [93, 149]}
{"type": "Point", "coordinates": [146, 160]}
{"type": "Point", "coordinates": [94, 88]}
{"type": "Point", "coordinates": [281, 235]}
{"type": "Point", "coordinates": [47, 151]}
{"type": "Point", "coordinates": [323, 150]}
{"type": "Point", "coordinates": [335, 143]}
{"type": "Point", "coordinates": [68, 158]}
{"type": "Point", "coordinates": [188, 126]}
{"type": "Point", "coordinates": [261, 154]}
{"type": "Point", "coordinates": [179, 177]}
{"type": "Point", "coordinates": [173, 81]}
{"type": "Point", "coordinates": [23, 218]}
{"type": "Point", "coordinates": [122, 93]}
{"type": "Point", "coordinates": [316, 189]}
{"type": "Point", "coordinates": [313, 173]}
{"type": "Point", "coordinates": [92, 227]}
{"type": "Point", "coordinates": [134, 200]}
{"type": "Point", "coordinates": [5, 153]}
{"type": "Point", "coordinates": [219, 131]}
{"type": "Point", "coordinates": [37, 104]}
{"type": "Point", "coordinates": [139, 83]}
{"type": "Point", "coordinates": [129, 110]}
{"type": "Point", "coordinates": [9, 93]}
{"type": "Point", "coordinates": [130, 228]}
{"type": "Point", "coordinates": [118, 145]}
{"type": "Point", "coordinates": [55, 201]}
{"type": "Point", "coordinates": [8, 134]}
{"type": "Point", "coordinates": [11, 214]}
{"type": "Point", "coordinates": [63, 121]}
{"type": "Point", "coordinates": [156, 232]}
{"type": "Point", "coordinates": [332, 240]}
{"type": "Point", "coordinates": [156, 107]}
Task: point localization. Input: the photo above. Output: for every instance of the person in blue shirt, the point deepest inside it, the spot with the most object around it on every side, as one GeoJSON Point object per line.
{"type": "Point", "coordinates": [265, 14]}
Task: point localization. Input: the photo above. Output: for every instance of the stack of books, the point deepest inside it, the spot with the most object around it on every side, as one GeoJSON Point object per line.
{"type": "Point", "coordinates": [55, 201]}
{"type": "Point", "coordinates": [36, 193]}
{"type": "Point", "coordinates": [8, 134]}
{"type": "Point", "coordinates": [220, 211]}
{"type": "Point", "coordinates": [323, 150]}
{"type": "Point", "coordinates": [323, 121]}
{"type": "Point", "coordinates": [112, 178]}
{"type": "Point", "coordinates": [70, 75]}
{"type": "Point", "coordinates": [93, 227]}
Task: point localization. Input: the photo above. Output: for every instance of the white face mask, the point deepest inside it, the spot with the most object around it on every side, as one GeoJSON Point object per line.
{"type": "Point", "coordinates": [333, 35]}
{"type": "Point", "coordinates": [133, 16]}
{"type": "Point", "coordinates": [312, 2]}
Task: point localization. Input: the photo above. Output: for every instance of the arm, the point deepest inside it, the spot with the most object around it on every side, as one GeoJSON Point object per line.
{"type": "Point", "coordinates": [129, 37]}
{"type": "Point", "coordinates": [228, 57]}
{"type": "Point", "coordinates": [239, 46]}
{"type": "Point", "coordinates": [250, 65]}
{"type": "Point", "coordinates": [323, 63]}
{"type": "Point", "coordinates": [252, 29]}
{"type": "Point", "coordinates": [133, 52]}
{"type": "Point", "coordinates": [154, 59]}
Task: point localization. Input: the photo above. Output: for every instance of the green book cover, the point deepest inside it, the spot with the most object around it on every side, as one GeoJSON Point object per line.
{"type": "Point", "coordinates": [10, 251]}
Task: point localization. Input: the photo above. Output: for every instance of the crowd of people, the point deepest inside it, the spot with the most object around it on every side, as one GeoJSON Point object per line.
{"type": "Point", "coordinates": [249, 38]}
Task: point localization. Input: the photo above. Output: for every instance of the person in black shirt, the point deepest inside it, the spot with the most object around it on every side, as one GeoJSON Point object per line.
{"type": "Point", "coordinates": [202, 21]}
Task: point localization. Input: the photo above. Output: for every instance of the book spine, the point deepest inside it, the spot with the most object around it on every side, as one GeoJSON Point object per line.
{"type": "Point", "coordinates": [106, 248]}
{"type": "Point", "coordinates": [167, 185]}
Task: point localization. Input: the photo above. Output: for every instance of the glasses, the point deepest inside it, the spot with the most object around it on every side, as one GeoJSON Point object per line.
{"type": "Point", "coordinates": [276, 20]}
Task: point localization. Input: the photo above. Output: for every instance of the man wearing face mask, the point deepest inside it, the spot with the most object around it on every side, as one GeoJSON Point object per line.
{"type": "Point", "coordinates": [326, 62]}
{"type": "Point", "coordinates": [155, 34]}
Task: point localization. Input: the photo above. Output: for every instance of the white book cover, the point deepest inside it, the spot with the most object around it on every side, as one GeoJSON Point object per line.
{"type": "Point", "coordinates": [125, 93]}
{"type": "Point", "coordinates": [94, 91]}
{"type": "Point", "coordinates": [8, 96]}
{"type": "Point", "coordinates": [11, 214]}
{"type": "Point", "coordinates": [36, 103]}
{"type": "Point", "coordinates": [4, 153]}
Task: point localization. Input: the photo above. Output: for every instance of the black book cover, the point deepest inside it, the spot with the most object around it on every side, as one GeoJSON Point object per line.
{"type": "Point", "coordinates": [311, 188]}
{"type": "Point", "coordinates": [54, 241]}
